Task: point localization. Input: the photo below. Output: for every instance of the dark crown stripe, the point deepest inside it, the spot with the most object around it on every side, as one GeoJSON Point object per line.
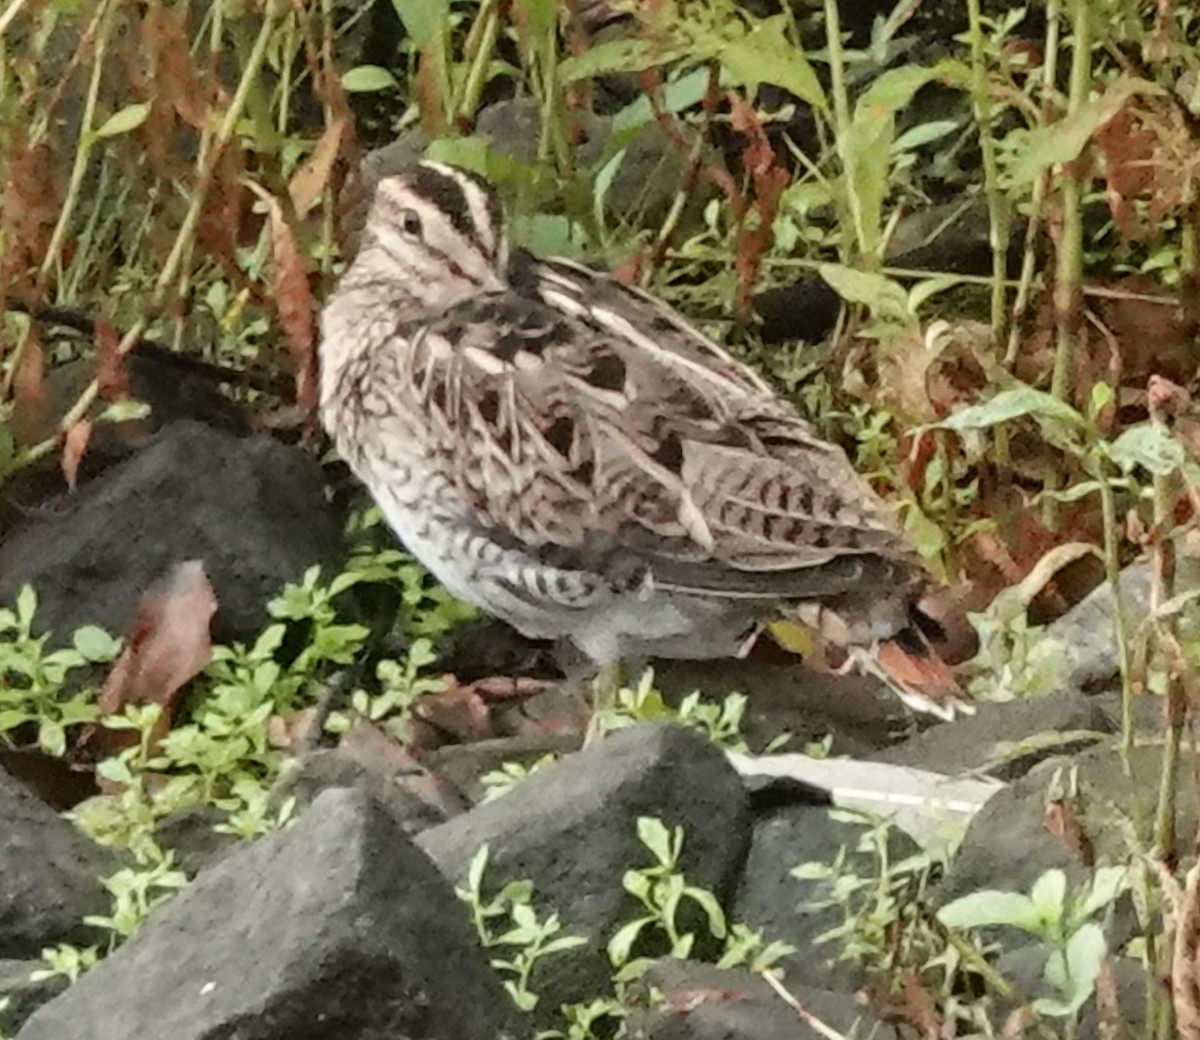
{"type": "Point", "coordinates": [495, 209]}
{"type": "Point", "coordinates": [446, 192]}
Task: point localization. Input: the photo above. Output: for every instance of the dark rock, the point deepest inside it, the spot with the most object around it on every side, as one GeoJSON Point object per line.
{"type": "Point", "coordinates": [571, 829]}
{"type": "Point", "coordinates": [937, 238]}
{"type": "Point", "coordinates": [647, 181]}
{"type": "Point", "coordinates": [772, 900]}
{"type": "Point", "coordinates": [337, 927]}
{"type": "Point", "coordinates": [252, 509]}
{"type": "Point", "coordinates": [768, 793]}
{"type": "Point", "coordinates": [1064, 814]}
{"type": "Point", "coordinates": [1008, 844]}
{"type": "Point", "coordinates": [701, 1002]}
{"type": "Point", "coordinates": [1006, 736]}
{"type": "Point", "coordinates": [514, 128]}
{"type": "Point", "coordinates": [1079, 651]}
{"type": "Point", "coordinates": [642, 191]}
{"type": "Point", "coordinates": [49, 876]}
{"type": "Point", "coordinates": [24, 992]}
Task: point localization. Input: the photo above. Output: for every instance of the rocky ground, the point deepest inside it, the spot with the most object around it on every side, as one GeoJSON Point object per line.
{"type": "Point", "coordinates": [346, 924]}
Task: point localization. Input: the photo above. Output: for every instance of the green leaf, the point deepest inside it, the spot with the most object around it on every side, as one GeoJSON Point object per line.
{"type": "Point", "coordinates": [8, 448]}
{"type": "Point", "coordinates": [476, 869]}
{"type": "Point", "coordinates": [52, 738]}
{"type": "Point", "coordinates": [990, 907]}
{"type": "Point", "coordinates": [548, 234]}
{"type": "Point", "coordinates": [637, 884]}
{"type": "Point", "coordinates": [894, 89]}
{"type": "Point", "coordinates": [625, 55]}
{"type": "Point", "coordinates": [565, 942]}
{"type": "Point", "coordinates": [1064, 140]}
{"type": "Point", "coordinates": [121, 122]}
{"type": "Point", "coordinates": [12, 718]}
{"type": "Point", "coordinates": [678, 95]}
{"type": "Point", "coordinates": [886, 298]}
{"type": "Point", "coordinates": [620, 946]}
{"type": "Point", "coordinates": [26, 606]}
{"type": "Point", "coordinates": [115, 770]}
{"type": "Point", "coordinates": [1072, 494]}
{"type": "Point", "coordinates": [1012, 404]}
{"type": "Point", "coordinates": [366, 79]}
{"type": "Point", "coordinates": [1049, 895]}
{"type": "Point", "coordinates": [712, 909]}
{"type": "Point", "coordinates": [1107, 884]}
{"type": "Point", "coordinates": [926, 535]}
{"type": "Point", "coordinates": [923, 134]}
{"type": "Point", "coordinates": [654, 835]}
{"type": "Point", "coordinates": [1102, 396]}
{"type": "Point", "coordinates": [765, 55]}
{"type": "Point", "coordinates": [95, 644]}
{"type": "Point", "coordinates": [425, 20]}
{"type": "Point", "coordinates": [928, 288]}
{"type": "Point", "coordinates": [1149, 445]}
{"type": "Point", "coordinates": [1074, 972]}
{"type": "Point", "coordinates": [866, 151]}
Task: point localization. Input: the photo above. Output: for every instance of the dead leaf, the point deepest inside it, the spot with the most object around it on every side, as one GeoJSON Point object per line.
{"type": "Point", "coordinates": [769, 179]}
{"type": "Point", "coordinates": [511, 687]}
{"type": "Point", "coordinates": [683, 1001]}
{"type": "Point", "coordinates": [227, 223]}
{"type": "Point", "coordinates": [1108, 1003]}
{"type": "Point", "coordinates": [920, 1009]}
{"type": "Point", "coordinates": [1185, 968]}
{"type": "Point", "coordinates": [1061, 820]}
{"type": "Point", "coordinates": [29, 390]}
{"type": "Point", "coordinates": [428, 91]}
{"type": "Point", "coordinates": [904, 365]}
{"type": "Point", "coordinates": [74, 447]}
{"type": "Point", "coordinates": [177, 81]}
{"type": "Point", "coordinates": [292, 732]}
{"type": "Point", "coordinates": [168, 647]}
{"type": "Point", "coordinates": [29, 209]}
{"type": "Point", "coordinates": [54, 780]}
{"type": "Point", "coordinates": [111, 375]}
{"type": "Point", "coordinates": [924, 674]}
{"type": "Point", "coordinates": [312, 178]}
{"type": "Point", "coordinates": [376, 752]}
{"type": "Point", "coordinates": [459, 711]}
{"type": "Point", "coordinates": [293, 300]}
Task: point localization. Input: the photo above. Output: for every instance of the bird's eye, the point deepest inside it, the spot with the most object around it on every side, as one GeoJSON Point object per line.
{"type": "Point", "coordinates": [410, 223]}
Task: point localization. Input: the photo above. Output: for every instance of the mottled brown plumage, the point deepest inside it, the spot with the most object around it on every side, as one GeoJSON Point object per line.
{"type": "Point", "coordinates": [573, 456]}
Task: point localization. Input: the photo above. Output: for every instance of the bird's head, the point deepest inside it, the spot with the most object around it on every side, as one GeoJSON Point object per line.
{"type": "Point", "coordinates": [434, 233]}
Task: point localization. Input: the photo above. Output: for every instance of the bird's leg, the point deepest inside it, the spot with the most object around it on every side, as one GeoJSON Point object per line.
{"type": "Point", "coordinates": [606, 688]}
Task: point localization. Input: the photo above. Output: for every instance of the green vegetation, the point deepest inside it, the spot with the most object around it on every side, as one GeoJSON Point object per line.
{"type": "Point", "coordinates": [174, 170]}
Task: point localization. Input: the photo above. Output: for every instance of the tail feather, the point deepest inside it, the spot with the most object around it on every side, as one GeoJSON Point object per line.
{"type": "Point", "coordinates": [923, 682]}
{"type": "Point", "coordinates": [914, 659]}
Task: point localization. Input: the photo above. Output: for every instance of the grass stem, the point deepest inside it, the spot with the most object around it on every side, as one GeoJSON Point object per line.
{"type": "Point", "coordinates": [1068, 299]}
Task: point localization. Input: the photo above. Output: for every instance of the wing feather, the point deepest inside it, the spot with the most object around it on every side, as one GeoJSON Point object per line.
{"type": "Point", "coordinates": [625, 442]}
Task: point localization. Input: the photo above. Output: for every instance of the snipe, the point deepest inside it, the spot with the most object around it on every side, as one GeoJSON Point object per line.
{"type": "Point", "coordinates": [574, 457]}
